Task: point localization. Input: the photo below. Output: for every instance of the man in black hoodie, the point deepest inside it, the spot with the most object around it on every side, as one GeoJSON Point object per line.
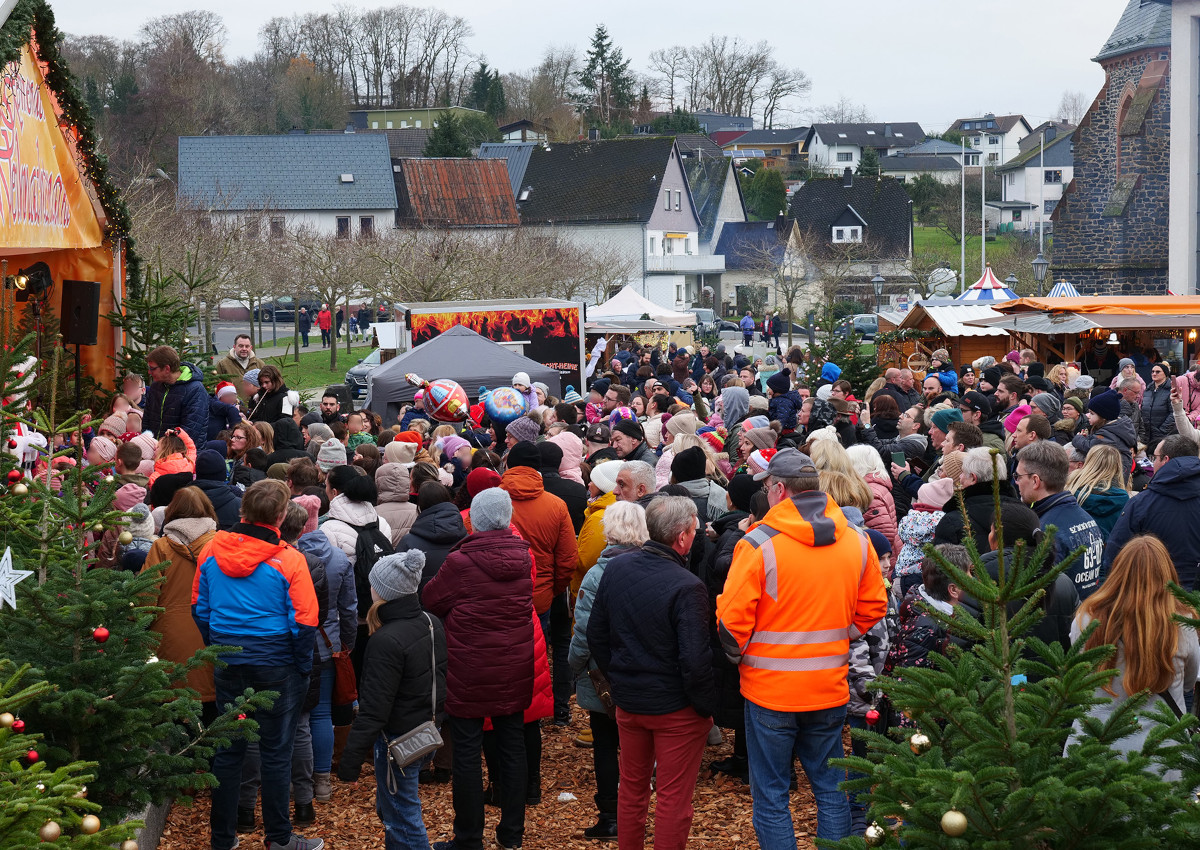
{"type": "Point", "coordinates": [574, 494]}
{"type": "Point", "coordinates": [211, 477]}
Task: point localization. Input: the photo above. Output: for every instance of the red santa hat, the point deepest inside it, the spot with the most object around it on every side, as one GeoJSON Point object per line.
{"type": "Point", "coordinates": [224, 387]}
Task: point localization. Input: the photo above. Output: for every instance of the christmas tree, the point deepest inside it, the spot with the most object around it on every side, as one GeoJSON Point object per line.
{"type": "Point", "coordinates": [37, 802]}
{"type": "Point", "coordinates": [155, 315]}
{"type": "Point", "coordinates": [84, 630]}
{"type": "Point", "coordinates": [986, 767]}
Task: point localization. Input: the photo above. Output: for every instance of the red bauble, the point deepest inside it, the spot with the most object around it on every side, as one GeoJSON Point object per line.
{"type": "Point", "coordinates": [872, 717]}
{"type": "Point", "coordinates": [99, 634]}
{"type": "Point", "coordinates": [14, 475]}
{"type": "Point", "coordinates": [32, 755]}
{"type": "Point", "coordinates": [241, 717]}
{"type": "Point", "coordinates": [18, 726]}
{"type": "Point", "coordinates": [12, 444]}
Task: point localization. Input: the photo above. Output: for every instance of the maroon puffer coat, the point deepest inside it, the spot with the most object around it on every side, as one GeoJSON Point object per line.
{"type": "Point", "coordinates": [484, 595]}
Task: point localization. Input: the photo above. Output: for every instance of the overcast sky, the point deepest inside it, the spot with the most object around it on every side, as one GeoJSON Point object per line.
{"type": "Point", "coordinates": [924, 60]}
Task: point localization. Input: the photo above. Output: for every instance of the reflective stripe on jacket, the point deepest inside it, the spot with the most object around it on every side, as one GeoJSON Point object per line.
{"type": "Point", "coordinates": [803, 584]}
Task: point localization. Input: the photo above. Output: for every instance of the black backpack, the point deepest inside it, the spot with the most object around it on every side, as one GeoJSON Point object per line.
{"type": "Point", "coordinates": [371, 545]}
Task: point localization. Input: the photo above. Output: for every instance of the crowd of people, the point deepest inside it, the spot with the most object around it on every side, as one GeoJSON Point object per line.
{"type": "Point", "coordinates": [704, 545]}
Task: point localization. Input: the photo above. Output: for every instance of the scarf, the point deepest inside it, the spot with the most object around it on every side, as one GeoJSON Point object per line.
{"type": "Point", "coordinates": [185, 530]}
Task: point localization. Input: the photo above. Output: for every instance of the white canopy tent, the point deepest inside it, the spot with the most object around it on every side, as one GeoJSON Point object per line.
{"type": "Point", "coordinates": [629, 305]}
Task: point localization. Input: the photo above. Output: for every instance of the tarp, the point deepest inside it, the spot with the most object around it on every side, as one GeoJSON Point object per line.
{"type": "Point", "coordinates": [1160, 305]}
{"type": "Point", "coordinates": [459, 354]}
{"type": "Point", "coordinates": [629, 304]}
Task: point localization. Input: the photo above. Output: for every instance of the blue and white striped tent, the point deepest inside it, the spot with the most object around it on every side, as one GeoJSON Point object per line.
{"type": "Point", "coordinates": [988, 288]}
{"type": "Point", "coordinates": [1063, 289]}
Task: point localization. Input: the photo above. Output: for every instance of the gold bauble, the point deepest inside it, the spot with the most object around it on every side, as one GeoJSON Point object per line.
{"type": "Point", "coordinates": [875, 835]}
{"type": "Point", "coordinates": [98, 528]}
{"type": "Point", "coordinates": [50, 831]}
{"type": "Point", "coordinates": [108, 479]}
{"type": "Point", "coordinates": [90, 825]}
{"type": "Point", "coordinates": [125, 538]}
{"type": "Point", "coordinates": [21, 490]}
{"type": "Point", "coordinates": [6, 720]}
{"type": "Point", "coordinates": [919, 743]}
{"type": "Point", "coordinates": [954, 823]}
{"type": "Point", "coordinates": [129, 845]}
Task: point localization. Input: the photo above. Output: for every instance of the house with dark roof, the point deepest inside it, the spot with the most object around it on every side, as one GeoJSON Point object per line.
{"type": "Point", "coordinates": [777, 148]}
{"type": "Point", "coordinates": [997, 138]}
{"type": "Point", "coordinates": [524, 130]}
{"type": "Point", "coordinates": [715, 122]}
{"type": "Point", "coordinates": [391, 117]}
{"type": "Point", "coordinates": [629, 196]}
{"type": "Point", "coordinates": [339, 183]}
{"type": "Point", "coordinates": [1032, 182]}
{"type": "Point", "coordinates": [453, 194]}
{"type": "Point", "coordinates": [833, 147]}
{"type": "Point", "coordinates": [903, 167]}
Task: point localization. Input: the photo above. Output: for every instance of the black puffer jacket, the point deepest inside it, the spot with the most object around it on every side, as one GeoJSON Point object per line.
{"type": "Point", "coordinates": [649, 634]}
{"type": "Point", "coordinates": [1156, 411]}
{"type": "Point", "coordinates": [183, 404]}
{"type": "Point", "coordinates": [394, 696]}
{"type": "Point", "coordinates": [981, 511]}
{"type": "Point", "coordinates": [320, 580]}
{"type": "Point", "coordinates": [730, 712]}
{"type": "Point", "coordinates": [1060, 603]}
{"type": "Point", "coordinates": [226, 501]}
{"type": "Point", "coordinates": [574, 494]}
{"type": "Point", "coordinates": [434, 532]}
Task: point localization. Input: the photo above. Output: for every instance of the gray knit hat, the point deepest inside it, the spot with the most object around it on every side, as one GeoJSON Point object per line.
{"type": "Point", "coordinates": [523, 428]}
{"type": "Point", "coordinates": [332, 454]}
{"type": "Point", "coordinates": [491, 510]}
{"type": "Point", "coordinates": [397, 575]}
{"type": "Point", "coordinates": [319, 432]}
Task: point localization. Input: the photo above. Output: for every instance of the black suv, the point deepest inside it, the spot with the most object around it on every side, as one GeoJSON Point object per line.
{"type": "Point", "coordinates": [284, 309]}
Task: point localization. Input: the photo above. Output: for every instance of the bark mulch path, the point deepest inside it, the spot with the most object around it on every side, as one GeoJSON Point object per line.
{"type": "Point", "coordinates": [349, 821]}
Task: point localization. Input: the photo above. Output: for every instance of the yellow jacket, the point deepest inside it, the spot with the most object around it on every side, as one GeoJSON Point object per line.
{"type": "Point", "coordinates": [591, 538]}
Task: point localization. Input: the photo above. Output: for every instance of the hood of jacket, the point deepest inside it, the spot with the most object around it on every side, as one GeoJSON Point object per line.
{"type": "Point", "coordinates": [442, 523]}
{"type": "Point", "coordinates": [316, 543]}
{"type": "Point", "coordinates": [993, 426]}
{"type": "Point", "coordinates": [1105, 503]}
{"type": "Point", "coordinates": [351, 513]}
{"type": "Point", "coordinates": [189, 372]}
{"type": "Point", "coordinates": [188, 531]}
{"type": "Point", "coordinates": [1178, 479]}
{"type": "Point", "coordinates": [600, 503]}
{"type": "Point", "coordinates": [811, 518]}
{"type": "Point", "coordinates": [393, 481]}
{"type": "Point", "coordinates": [287, 434]}
{"type": "Point", "coordinates": [239, 552]}
{"type": "Point", "coordinates": [522, 483]}
{"type": "Point", "coordinates": [831, 372]}
{"type": "Point", "coordinates": [482, 548]}
{"type": "Point", "coordinates": [1121, 432]}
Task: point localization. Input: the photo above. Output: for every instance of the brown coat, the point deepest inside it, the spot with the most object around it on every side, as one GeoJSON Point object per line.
{"type": "Point", "coordinates": [180, 636]}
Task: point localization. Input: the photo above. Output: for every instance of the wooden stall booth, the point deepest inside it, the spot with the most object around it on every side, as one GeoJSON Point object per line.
{"type": "Point", "coordinates": [936, 323]}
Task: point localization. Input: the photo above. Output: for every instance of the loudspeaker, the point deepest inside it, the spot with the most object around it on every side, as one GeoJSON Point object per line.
{"type": "Point", "coordinates": [80, 311]}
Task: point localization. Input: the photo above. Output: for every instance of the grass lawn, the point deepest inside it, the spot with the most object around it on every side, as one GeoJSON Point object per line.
{"type": "Point", "coordinates": [313, 369]}
{"type": "Point", "coordinates": [932, 239]}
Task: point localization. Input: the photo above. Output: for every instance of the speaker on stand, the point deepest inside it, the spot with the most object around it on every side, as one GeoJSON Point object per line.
{"type": "Point", "coordinates": [80, 320]}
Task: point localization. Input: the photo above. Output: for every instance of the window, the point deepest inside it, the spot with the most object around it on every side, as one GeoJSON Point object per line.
{"type": "Point", "coordinates": [839, 235]}
{"type": "Point", "coordinates": [403, 125]}
{"type": "Point", "coordinates": [1012, 179]}
{"type": "Point", "coordinates": [366, 225]}
{"type": "Point", "coordinates": [870, 132]}
{"type": "Point", "coordinates": [374, 125]}
{"type": "Point", "coordinates": [993, 158]}
{"type": "Point", "coordinates": [1016, 215]}
{"type": "Point", "coordinates": [991, 124]}
{"type": "Point", "coordinates": [389, 125]}
{"type": "Point", "coordinates": [847, 234]}
{"type": "Point", "coordinates": [653, 246]}
{"type": "Point", "coordinates": [845, 157]}
{"type": "Point", "coordinates": [967, 125]}
{"type": "Point", "coordinates": [277, 227]}
{"type": "Point", "coordinates": [776, 152]}
{"type": "Point", "coordinates": [841, 135]}
{"type": "Point", "coordinates": [1053, 175]}
{"type": "Point", "coordinates": [993, 140]}
{"type": "Point", "coordinates": [418, 124]}
{"type": "Point", "coordinates": [666, 199]}
{"type": "Point", "coordinates": [976, 141]}
{"type": "Point", "coordinates": [679, 293]}
{"type": "Point", "coordinates": [678, 199]}
{"type": "Point", "coordinates": [343, 227]}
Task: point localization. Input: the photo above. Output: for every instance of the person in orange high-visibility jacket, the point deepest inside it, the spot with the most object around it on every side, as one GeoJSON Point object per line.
{"type": "Point", "coordinates": [803, 584]}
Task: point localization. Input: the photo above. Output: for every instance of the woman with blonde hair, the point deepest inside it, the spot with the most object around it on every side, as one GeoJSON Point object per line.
{"type": "Point", "coordinates": [875, 386]}
{"type": "Point", "coordinates": [850, 492]}
{"type": "Point", "coordinates": [266, 436]}
{"type": "Point", "coordinates": [830, 456]}
{"type": "Point", "coordinates": [1101, 486]}
{"type": "Point", "coordinates": [1136, 613]}
{"type": "Point", "coordinates": [881, 513]}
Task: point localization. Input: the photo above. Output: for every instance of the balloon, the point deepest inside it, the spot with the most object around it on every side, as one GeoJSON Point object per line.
{"type": "Point", "coordinates": [445, 400]}
{"type": "Point", "coordinates": [505, 405]}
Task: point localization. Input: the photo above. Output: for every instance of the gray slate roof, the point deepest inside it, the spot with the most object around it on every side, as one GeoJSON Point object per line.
{"type": "Point", "coordinates": [896, 134]}
{"type": "Point", "coordinates": [515, 155]}
{"type": "Point", "coordinates": [766, 138]}
{"type": "Point", "coordinates": [292, 172]}
{"type": "Point", "coordinates": [1143, 25]}
{"type": "Point", "coordinates": [934, 147]}
{"type": "Point", "coordinates": [706, 178]}
{"type": "Point", "coordinates": [918, 163]}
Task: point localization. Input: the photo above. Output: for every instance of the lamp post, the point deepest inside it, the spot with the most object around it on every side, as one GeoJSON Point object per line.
{"type": "Point", "coordinates": [1040, 264]}
{"type": "Point", "coordinates": [1011, 282]}
{"type": "Point", "coordinates": [877, 283]}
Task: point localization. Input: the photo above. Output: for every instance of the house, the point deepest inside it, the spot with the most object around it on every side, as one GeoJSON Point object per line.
{"type": "Point", "coordinates": [339, 184]}
{"type": "Point", "coordinates": [781, 149]}
{"type": "Point", "coordinates": [1036, 178]}
{"type": "Point", "coordinates": [713, 122]}
{"type": "Point", "coordinates": [524, 131]}
{"type": "Point", "coordinates": [388, 117]}
{"type": "Point", "coordinates": [940, 147]}
{"type": "Point", "coordinates": [629, 196]}
{"type": "Point", "coordinates": [453, 194]}
{"type": "Point", "coordinates": [717, 195]}
{"type": "Point", "coordinates": [1185, 152]}
{"type": "Point", "coordinates": [837, 146]}
{"type": "Point", "coordinates": [996, 137]}
{"type": "Point", "coordinates": [1051, 128]}
{"type": "Point", "coordinates": [756, 253]}
{"type": "Point", "coordinates": [693, 145]}
{"type": "Point", "coordinates": [1113, 222]}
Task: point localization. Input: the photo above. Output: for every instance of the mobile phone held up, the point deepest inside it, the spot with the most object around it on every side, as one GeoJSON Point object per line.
{"type": "Point", "coordinates": [898, 458]}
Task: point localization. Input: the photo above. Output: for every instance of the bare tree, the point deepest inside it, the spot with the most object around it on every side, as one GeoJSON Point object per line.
{"type": "Point", "coordinates": [782, 263]}
{"type": "Point", "coordinates": [1072, 107]}
{"type": "Point", "coordinates": [336, 269]}
{"type": "Point", "coordinates": [844, 111]}
{"type": "Point", "coordinates": [666, 67]}
{"type": "Point", "coordinates": [782, 84]}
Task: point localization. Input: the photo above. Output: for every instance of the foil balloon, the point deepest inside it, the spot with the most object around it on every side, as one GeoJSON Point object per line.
{"type": "Point", "coordinates": [445, 400]}
{"type": "Point", "coordinates": [505, 405]}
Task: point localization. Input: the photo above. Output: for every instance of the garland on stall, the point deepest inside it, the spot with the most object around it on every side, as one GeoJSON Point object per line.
{"type": "Point", "coordinates": [36, 17]}
{"type": "Point", "coordinates": [904, 335]}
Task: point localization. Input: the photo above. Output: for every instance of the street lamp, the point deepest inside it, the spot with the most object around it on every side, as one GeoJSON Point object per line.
{"type": "Point", "coordinates": [877, 284]}
{"type": "Point", "coordinates": [1011, 282]}
{"type": "Point", "coordinates": [1039, 271]}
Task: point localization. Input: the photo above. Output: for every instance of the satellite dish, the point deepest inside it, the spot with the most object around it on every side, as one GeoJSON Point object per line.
{"type": "Point", "coordinates": [942, 281]}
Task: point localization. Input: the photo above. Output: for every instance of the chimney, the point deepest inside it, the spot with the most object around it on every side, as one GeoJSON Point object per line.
{"type": "Point", "coordinates": [349, 127]}
{"type": "Point", "coordinates": [847, 178]}
{"type": "Point", "coordinates": [594, 134]}
{"type": "Point", "coordinates": [781, 221]}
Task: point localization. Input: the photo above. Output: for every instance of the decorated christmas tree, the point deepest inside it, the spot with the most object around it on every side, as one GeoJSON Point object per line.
{"type": "Point", "coordinates": [984, 761]}
{"type": "Point", "coordinates": [151, 316]}
{"type": "Point", "coordinates": [85, 630]}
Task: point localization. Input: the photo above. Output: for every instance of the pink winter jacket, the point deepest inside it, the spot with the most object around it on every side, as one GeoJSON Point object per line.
{"type": "Point", "coordinates": [881, 516]}
{"type": "Point", "coordinates": [1189, 388]}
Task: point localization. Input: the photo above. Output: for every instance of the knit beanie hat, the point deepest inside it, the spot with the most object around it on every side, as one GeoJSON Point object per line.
{"type": "Point", "coordinates": [146, 442]}
{"type": "Point", "coordinates": [604, 475]}
{"type": "Point", "coordinates": [780, 382]}
{"type": "Point", "coordinates": [991, 375]}
{"type": "Point", "coordinates": [952, 464]}
{"type": "Point", "coordinates": [629, 427]}
{"type": "Point", "coordinates": [522, 429]}
{"type": "Point", "coordinates": [140, 522]}
{"type": "Point", "coordinates": [251, 376]}
{"type": "Point", "coordinates": [943, 418]}
{"type": "Point", "coordinates": [882, 545]}
{"type": "Point", "coordinates": [128, 495]}
{"type": "Point", "coordinates": [319, 433]}
{"type": "Point", "coordinates": [551, 454]}
{"type": "Point", "coordinates": [113, 425]}
{"type": "Point", "coordinates": [491, 510]}
{"type": "Point", "coordinates": [714, 441]}
{"type": "Point", "coordinates": [1013, 356]}
{"type": "Point", "coordinates": [759, 402]}
{"type": "Point", "coordinates": [1013, 419]}
{"type": "Point", "coordinates": [481, 478]}
{"type": "Point", "coordinates": [277, 471]}
{"type": "Point", "coordinates": [570, 397]}
{"type": "Point", "coordinates": [689, 464]}
{"type": "Point", "coordinates": [397, 575]}
{"type": "Point", "coordinates": [163, 490]}
{"type": "Point", "coordinates": [935, 494]}
{"type": "Point", "coordinates": [1075, 402]}
{"type": "Point", "coordinates": [210, 466]}
{"type": "Point", "coordinates": [521, 379]}
{"type": "Point", "coordinates": [332, 454]}
{"type": "Point", "coordinates": [310, 418]}
{"type": "Point", "coordinates": [755, 422]}
{"type": "Point", "coordinates": [105, 448]}
{"type": "Point", "coordinates": [312, 506]}
{"type": "Point", "coordinates": [524, 453]}
{"type": "Point", "coordinates": [1036, 369]}
{"type": "Point", "coordinates": [452, 444]}
{"type": "Point", "coordinates": [1107, 405]}
{"type": "Point", "coordinates": [683, 423]}
{"type": "Point", "coordinates": [1048, 404]}
{"type": "Point", "coordinates": [601, 385]}
{"type": "Point", "coordinates": [762, 438]}
{"type": "Point", "coordinates": [1125, 361]}
{"type": "Point", "coordinates": [538, 385]}
{"type": "Point", "coordinates": [741, 490]}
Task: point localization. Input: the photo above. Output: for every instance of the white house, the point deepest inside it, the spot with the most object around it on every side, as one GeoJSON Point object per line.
{"type": "Point", "coordinates": [338, 184]}
{"type": "Point", "coordinates": [996, 137]}
{"type": "Point", "coordinates": [833, 147]}
{"type": "Point", "coordinates": [1036, 179]}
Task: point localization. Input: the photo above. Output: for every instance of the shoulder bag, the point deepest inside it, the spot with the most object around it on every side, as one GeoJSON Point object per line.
{"type": "Point", "coordinates": [417, 743]}
{"type": "Point", "coordinates": [345, 684]}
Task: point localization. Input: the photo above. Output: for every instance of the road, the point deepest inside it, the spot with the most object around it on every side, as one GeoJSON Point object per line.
{"type": "Point", "coordinates": [226, 331]}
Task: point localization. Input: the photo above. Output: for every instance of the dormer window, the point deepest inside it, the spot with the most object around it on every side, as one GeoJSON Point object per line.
{"type": "Point", "coordinates": [870, 132]}
{"type": "Point", "coordinates": [847, 234]}
{"type": "Point", "coordinates": [841, 135]}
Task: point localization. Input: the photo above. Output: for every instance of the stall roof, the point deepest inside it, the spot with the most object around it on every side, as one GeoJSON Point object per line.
{"type": "Point", "coordinates": [629, 304]}
{"type": "Point", "coordinates": [629, 325]}
{"type": "Point", "coordinates": [1074, 323]}
{"type": "Point", "coordinates": [1161, 305]}
{"type": "Point", "coordinates": [950, 317]}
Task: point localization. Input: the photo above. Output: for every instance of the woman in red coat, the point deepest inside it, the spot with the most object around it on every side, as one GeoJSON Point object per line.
{"type": "Point", "coordinates": [324, 322]}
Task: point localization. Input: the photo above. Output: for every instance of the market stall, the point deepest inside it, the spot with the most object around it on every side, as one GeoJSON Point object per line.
{"type": "Point", "coordinates": [936, 323]}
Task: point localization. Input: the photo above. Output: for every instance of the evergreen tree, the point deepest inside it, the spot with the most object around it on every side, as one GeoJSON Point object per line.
{"type": "Point", "coordinates": [868, 165]}
{"type": "Point", "coordinates": [838, 343]}
{"type": "Point", "coordinates": [84, 630]}
{"type": "Point", "coordinates": [679, 121]}
{"type": "Point", "coordinates": [606, 79]}
{"type": "Point", "coordinates": [155, 315]}
{"type": "Point", "coordinates": [766, 195]}
{"type": "Point", "coordinates": [986, 766]}
{"type": "Point", "coordinates": [481, 83]}
{"type": "Point", "coordinates": [448, 138]}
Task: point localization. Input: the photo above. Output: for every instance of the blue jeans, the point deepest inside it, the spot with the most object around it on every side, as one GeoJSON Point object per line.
{"type": "Point", "coordinates": [400, 813]}
{"type": "Point", "coordinates": [321, 723]}
{"type": "Point", "coordinates": [858, 799]}
{"type": "Point", "coordinates": [773, 739]}
{"type": "Point", "coordinates": [277, 731]}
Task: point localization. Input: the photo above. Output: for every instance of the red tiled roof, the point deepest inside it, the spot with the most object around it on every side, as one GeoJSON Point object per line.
{"type": "Point", "coordinates": [454, 193]}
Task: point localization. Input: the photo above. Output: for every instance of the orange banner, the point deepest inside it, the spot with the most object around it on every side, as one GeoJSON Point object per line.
{"type": "Point", "coordinates": [43, 203]}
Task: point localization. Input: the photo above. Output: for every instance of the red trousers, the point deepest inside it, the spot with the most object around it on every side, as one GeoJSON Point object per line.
{"type": "Point", "coordinates": [675, 742]}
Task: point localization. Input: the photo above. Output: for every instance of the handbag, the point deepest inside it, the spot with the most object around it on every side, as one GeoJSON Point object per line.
{"type": "Point", "coordinates": [345, 684]}
{"type": "Point", "coordinates": [603, 691]}
{"type": "Point", "coordinates": [417, 743]}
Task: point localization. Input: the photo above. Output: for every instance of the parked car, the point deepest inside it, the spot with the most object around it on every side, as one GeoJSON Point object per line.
{"type": "Point", "coordinates": [284, 309]}
{"type": "Point", "coordinates": [866, 324]}
{"type": "Point", "coordinates": [706, 321]}
{"type": "Point", "coordinates": [356, 375]}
